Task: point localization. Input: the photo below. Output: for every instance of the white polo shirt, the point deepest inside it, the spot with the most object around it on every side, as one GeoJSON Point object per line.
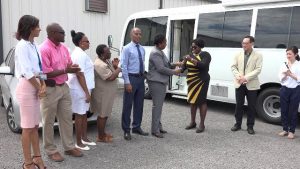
{"type": "Point", "coordinates": [85, 63]}
{"type": "Point", "coordinates": [27, 58]}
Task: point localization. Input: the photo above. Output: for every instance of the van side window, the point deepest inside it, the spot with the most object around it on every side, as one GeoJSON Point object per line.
{"type": "Point", "coordinates": [224, 29]}
{"type": "Point", "coordinates": [210, 27]}
{"type": "Point", "coordinates": [295, 27]}
{"type": "Point", "coordinates": [127, 35]}
{"type": "Point", "coordinates": [272, 28]}
{"type": "Point", "coordinates": [237, 25]}
{"type": "Point", "coordinates": [151, 27]}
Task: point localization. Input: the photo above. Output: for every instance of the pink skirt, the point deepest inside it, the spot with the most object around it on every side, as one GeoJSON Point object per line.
{"type": "Point", "coordinates": [29, 104]}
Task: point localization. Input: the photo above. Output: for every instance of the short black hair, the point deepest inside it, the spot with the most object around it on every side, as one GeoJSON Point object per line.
{"type": "Point", "coordinates": [159, 39]}
{"type": "Point", "coordinates": [251, 38]}
{"type": "Point", "coordinates": [26, 24]}
{"type": "Point", "coordinates": [76, 37]}
{"type": "Point", "coordinates": [100, 49]}
{"type": "Point", "coordinates": [199, 42]}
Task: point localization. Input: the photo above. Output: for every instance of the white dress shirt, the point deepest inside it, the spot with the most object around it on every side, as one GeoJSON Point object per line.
{"type": "Point", "coordinates": [290, 82]}
{"type": "Point", "coordinates": [86, 65]}
{"type": "Point", "coordinates": [27, 59]}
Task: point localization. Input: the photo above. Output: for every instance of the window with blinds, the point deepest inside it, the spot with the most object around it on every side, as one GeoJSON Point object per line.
{"type": "Point", "coordinates": [96, 5]}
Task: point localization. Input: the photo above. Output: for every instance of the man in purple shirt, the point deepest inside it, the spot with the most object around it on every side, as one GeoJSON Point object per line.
{"type": "Point", "coordinates": [56, 62]}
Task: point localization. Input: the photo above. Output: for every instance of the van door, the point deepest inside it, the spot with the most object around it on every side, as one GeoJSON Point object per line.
{"type": "Point", "coordinates": [181, 36]}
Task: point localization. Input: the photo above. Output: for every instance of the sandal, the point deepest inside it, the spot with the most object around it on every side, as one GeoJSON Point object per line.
{"type": "Point", "coordinates": [191, 126]}
{"type": "Point", "coordinates": [24, 166]}
{"type": "Point", "coordinates": [108, 135]}
{"type": "Point", "coordinates": [105, 139]}
{"type": "Point", "coordinates": [38, 163]}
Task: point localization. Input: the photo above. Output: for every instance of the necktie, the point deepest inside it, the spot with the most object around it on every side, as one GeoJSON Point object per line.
{"type": "Point", "coordinates": [140, 59]}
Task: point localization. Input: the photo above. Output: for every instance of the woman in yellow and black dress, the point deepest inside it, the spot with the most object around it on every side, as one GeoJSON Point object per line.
{"type": "Point", "coordinates": [198, 78]}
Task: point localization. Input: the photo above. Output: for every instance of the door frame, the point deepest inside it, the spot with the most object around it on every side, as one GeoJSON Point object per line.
{"type": "Point", "coordinates": [1, 37]}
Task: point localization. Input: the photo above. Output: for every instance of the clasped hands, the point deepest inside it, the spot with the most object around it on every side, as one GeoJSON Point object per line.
{"type": "Point", "coordinates": [42, 91]}
{"type": "Point", "coordinates": [241, 79]}
{"type": "Point", "coordinates": [289, 73]}
{"type": "Point", "coordinates": [115, 62]}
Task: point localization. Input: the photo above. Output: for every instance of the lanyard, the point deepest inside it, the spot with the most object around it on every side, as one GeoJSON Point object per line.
{"type": "Point", "coordinates": [40, 63]}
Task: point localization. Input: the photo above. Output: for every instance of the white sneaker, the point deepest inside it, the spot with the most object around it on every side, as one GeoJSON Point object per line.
{"type": "Point", "coordinates": [86, 148]}
{"type": "Point", "coordinates": [291, 135]}
{"type": "Point", "coordinates": [88, 143]}
{"type": "Point", "coordinates": [283, 133]}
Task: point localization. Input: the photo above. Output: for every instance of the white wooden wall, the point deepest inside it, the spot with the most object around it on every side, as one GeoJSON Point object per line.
{"type": "Point", "coordinates": [71, 14]}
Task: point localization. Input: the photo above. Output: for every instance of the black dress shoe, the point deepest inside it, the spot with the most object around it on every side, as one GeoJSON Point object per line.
{"type": "Point", "coordinates": [158, 135]}
{"type": "Point", "coordinates": [250, 130]}
{"type": "Point", "coordinates": [140, 132]}
{"type": "Point", "coordinates": [236, 128]}
{"type": "Point", "coordinates": [191, 126]}
{"type": "Point", "coordinates": [127, 136]}
{"type": "Point", "coordinates": [163, 131]}
{"type": "Point", "coordinates": [200, 129]}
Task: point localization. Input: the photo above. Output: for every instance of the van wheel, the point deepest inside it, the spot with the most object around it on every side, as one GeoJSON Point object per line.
{"type": "Point", "coordinates": [10, 116]}
{"type": "Point", "coordinates": [147, 91]}
{"type": "Point", "coordinates": [268, 105]}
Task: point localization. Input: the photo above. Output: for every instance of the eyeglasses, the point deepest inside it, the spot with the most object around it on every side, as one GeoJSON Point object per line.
{"type": "Point", "coordinates": [86, 41]}
{"type": "Point", "coordinates": [245, 43]}
{"type": "Point", "coordinates": [194, 47]}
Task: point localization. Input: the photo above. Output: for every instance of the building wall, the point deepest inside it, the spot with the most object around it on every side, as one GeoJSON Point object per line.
{"type": "Point", "coordinates": [71, 14]}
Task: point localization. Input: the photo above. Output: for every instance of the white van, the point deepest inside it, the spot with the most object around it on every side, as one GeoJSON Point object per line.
{"type": "Point", "coordinates": [275, 26]}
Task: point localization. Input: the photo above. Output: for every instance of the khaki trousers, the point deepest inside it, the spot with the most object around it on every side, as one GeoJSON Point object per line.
{"type": "Point", "coordinates": [57, 104]}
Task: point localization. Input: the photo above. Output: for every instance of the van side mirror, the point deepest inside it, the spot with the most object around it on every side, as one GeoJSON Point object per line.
{"type": "Point", "coordinates": [110, 40]}
{"type": "Point", "coordinates": [5, 70]}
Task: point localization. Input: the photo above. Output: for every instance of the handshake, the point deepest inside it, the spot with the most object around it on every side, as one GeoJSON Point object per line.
{"type": "Point", "coordinates": [178, 68]}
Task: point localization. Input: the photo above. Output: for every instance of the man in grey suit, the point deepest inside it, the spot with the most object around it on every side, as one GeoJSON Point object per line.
{"type": "Point", "coordinates": [158, 78]}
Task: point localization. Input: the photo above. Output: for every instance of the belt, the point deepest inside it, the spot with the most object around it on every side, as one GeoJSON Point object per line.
{"type": "Point", "coordinates": [60, 84]}
{"type": "Point", "coordinates": [52, 83]}
{"type": "Point", "coordinates": [136, 74]}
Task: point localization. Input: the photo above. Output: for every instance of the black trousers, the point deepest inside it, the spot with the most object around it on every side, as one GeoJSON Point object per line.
{"type": "Point", "coordinates": [240, 94]}
{"type": "Point", "coordinates": [289, 102]}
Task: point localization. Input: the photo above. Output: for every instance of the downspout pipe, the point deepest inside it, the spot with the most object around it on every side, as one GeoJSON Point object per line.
{"type": "Point", "coordinates": [1, 37]}
{"type": "Point", "coordinates": [160, 4]}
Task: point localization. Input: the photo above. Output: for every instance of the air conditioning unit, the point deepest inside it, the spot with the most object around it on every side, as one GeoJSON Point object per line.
{"type": "Point", "coordinates": [228, 3]}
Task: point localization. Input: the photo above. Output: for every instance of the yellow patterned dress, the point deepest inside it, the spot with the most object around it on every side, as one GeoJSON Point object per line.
{"type": "Point", "coordinates": [198, 78]}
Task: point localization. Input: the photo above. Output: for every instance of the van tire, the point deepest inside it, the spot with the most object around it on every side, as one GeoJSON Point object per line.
{"type": "Point", "coordinates": [10, 118]}
{"type": "Point", "coordinates": [268, 105]}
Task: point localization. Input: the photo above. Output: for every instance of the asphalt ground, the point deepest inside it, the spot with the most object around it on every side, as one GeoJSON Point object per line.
{"type": "Point", "coordinates": [217, 147]}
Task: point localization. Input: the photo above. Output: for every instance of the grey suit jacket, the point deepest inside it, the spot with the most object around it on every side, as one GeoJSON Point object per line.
{"type": "Point", "coordinates": [252, 70]}
{"type": "Point", "coordinates": [159, 68]}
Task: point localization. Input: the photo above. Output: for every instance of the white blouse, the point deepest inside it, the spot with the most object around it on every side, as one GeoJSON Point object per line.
{"type": "Point", "coordinates": [27, 59]}
{"type": "Point", "coordinates": [86, 65]}
{"type": "Point", "coordinates": [290, 82]}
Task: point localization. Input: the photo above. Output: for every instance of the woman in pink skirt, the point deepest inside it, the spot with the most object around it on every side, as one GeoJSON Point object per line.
{"type": "Point", "coordinates": [29, 89]}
